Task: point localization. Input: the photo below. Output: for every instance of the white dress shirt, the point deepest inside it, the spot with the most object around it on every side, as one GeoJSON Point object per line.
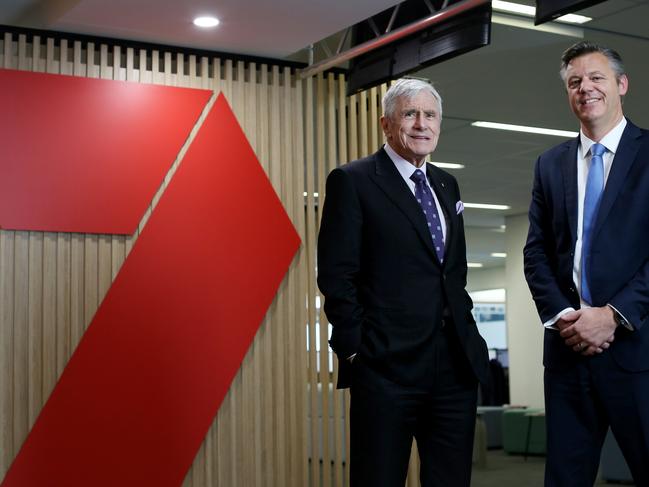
{"type": "Point", "coordinates": [406, 169]}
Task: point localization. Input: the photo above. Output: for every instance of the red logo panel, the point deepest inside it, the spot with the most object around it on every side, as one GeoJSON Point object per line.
{"type": "Point", "coordinates": [140, 392]}
{"type": "Point", "coordinates": [87, 155]}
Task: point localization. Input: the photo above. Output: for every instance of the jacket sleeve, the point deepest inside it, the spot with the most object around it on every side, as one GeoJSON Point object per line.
{"type": "Point", "coordinates": [540, 256]}
{"type": "Point", "coordinates": [339, 251]}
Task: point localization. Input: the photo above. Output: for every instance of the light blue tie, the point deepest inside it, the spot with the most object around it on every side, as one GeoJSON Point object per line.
{"type": "Point", "coordinates": [594, 189]}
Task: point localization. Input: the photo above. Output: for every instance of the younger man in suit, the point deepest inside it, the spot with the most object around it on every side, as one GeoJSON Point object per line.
{"type": "Point", "coordinates": [392, 268]}
{"type": "Point", "coordinates": [587, 265]}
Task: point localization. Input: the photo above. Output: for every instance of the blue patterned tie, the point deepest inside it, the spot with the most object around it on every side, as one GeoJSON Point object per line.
{"type": "Point", "coordinates": [594, 189]}
{"type": "Point", "coordinates": [425, 198]}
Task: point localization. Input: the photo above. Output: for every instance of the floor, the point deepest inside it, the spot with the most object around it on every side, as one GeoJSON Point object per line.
{"type": "Point", "coordinates": [504, 470]}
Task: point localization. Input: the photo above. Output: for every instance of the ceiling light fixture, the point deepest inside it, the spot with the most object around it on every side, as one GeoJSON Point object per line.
{"type": "Point", "coordinates": [517, 8]}
{"type": "Point", "coordinates": [484, 206]}
{"type": "Point", "coordinates": [473, 264]}
{"type": "Point", "coordinates": [448, 165]}
{"type": "Point", "coordinates": [502, 255]}
{"type": "Point", "coordinates": [206, 22]}
{"type": "Point", "coordinates": [524, 128]}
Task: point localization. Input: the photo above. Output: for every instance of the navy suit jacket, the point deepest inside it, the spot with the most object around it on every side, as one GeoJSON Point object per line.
{"type": "Point", "coordinates": [619, 270]}
{"type": "Point", "coordinates": [385, 290]}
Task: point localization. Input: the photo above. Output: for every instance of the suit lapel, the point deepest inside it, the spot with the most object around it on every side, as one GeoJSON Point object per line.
{"type": "Point", "coordinates": [569, 172]}
{"type": "Point", "coordinates": [626, 153]}
{"type": "Point", "coordinates": [387, 177]}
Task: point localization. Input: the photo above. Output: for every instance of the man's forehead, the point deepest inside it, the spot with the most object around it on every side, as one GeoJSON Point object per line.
{"type": "Point", "coordinates": [418, 101]}
{"type": "Point", "coordinates": [592, 62]}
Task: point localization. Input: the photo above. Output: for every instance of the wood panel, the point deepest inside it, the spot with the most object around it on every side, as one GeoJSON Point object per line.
{"type": "Point", "coordinates": [283, 423]}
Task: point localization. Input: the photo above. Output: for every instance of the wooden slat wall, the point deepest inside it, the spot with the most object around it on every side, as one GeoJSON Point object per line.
{"type": "Point", "coordinates": [52, 283]}
{"type": "Point", "coordinates": [338, 129]}
{"type": "Point", "coordinates": [283, 423]}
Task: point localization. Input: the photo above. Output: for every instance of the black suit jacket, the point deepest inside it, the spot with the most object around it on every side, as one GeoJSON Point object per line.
{"type": "Point", "coordinates": [385, 290]}
{"type": "Point", "coordinates": [620, 247]}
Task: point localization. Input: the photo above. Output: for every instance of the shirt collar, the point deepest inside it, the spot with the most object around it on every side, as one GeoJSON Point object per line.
{"type": "Point", "coordinates": [610, 140]}
{"type": "Point", "coordinates": [405, 168]}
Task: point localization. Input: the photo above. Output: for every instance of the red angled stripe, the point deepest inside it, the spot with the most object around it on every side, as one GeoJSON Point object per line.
{"type": "Point", "coordinates": [139, 394]}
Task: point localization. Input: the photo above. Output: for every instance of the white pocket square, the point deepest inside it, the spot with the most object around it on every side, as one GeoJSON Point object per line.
{"type": "Point", "coordinates": [459, 207]}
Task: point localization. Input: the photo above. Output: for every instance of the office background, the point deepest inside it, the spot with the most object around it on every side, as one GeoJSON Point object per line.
{"type": "Point", "coordinates": [271, 429]}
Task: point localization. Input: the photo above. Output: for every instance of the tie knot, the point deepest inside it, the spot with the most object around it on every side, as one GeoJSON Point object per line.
{"type": "Point", "coordinates": [418, 176]}
{"type": "Point", "coordinates": [597, 149]}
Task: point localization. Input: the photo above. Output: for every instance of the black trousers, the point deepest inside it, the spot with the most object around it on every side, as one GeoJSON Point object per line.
{"type": "Point", "coordinates": [440, 416]}
{"type": "Point", "coordinates": [581, 403]}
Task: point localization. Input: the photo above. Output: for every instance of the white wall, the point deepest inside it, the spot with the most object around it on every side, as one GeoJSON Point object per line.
{"type": "Point", "coordinates": [490, 278]}
{"type": "Point", "coordinates": [524, 329]}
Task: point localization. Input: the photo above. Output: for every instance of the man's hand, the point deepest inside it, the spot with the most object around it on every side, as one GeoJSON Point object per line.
{"type": "Point", "coordinates": [588, 331]}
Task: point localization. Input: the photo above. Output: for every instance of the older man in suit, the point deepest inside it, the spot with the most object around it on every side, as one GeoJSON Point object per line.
{"type": "Point", "coordinates": [392, 268]}
{"type": "Point", "coordinates": [587, 265]}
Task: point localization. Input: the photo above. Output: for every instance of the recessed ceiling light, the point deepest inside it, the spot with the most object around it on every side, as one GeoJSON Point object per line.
{"type": "Point", "coordinates": [517, 8]}
{"type": "Point", "coordinates": [574, 19]}
{"type": "Point", "coordinates": [206, 21]}
{"type": "Point", "coordinates": [473, 264]}
{"type": "Point", "coordinates": [524, 128]}
{"type": "Point", "coordinates": [485, 206]}
{"type": "Point", "coordinates": [448, 165]}
{"type": "Point", "coordinates": [502, 255]}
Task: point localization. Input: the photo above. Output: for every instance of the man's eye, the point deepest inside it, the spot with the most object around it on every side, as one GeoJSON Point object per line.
{"type": "Point", "coordinates": [574, 83]}
{"type": "Point", "coordinates": [409, 115]}
{"type": "Point", "coordinates": [430, 115]}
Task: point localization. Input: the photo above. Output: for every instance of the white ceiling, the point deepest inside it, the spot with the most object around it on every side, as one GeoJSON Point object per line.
{"type": "Point", "coordinates": [513, 80]}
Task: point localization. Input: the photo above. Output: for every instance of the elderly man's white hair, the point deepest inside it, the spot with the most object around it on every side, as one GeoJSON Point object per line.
{"type": "Point", "coordinates": [407, 88]}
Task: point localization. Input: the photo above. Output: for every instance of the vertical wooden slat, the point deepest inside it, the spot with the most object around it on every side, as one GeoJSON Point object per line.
{"type": "Point", "coordinates": [340, 145]}
{"type": "Point", "coordinates": [35, 327]}
{"type": "Point", "coordinates": [280, 303]}
{"type": "Point", "coordinates": [334, 409]}
{"type": "Point", "coordinates": [24, 61]}
{"type": "Point", "coordinates": [323, 356]}
{"type": "Point", "coordinates": [7, 52]}
{"type": "Point", "coordinates": [48, 318]}
{"type": "Point", "coordinates": [373, 120]}
{"type": "Point", "coordinates": [314, 471]}
{"type": "Point", "coordinates": [7, 350]}
{"type": "Point", "coordinates": [289, 196]}
{"type": "Point", "coordinates": [268, 466]}
{"type": "Point", "coordinates": [63, 301]}
{"type": "Point", "coordinates": [300, 288]}
{"type": "Point", "coordinates": [352, 111]}
{"type": "Point", "coordinates": [246, 461]}
{"type": "Point", "coordinates": [21, 381]}
{"type": "Point", "coordinates": [362, 125]}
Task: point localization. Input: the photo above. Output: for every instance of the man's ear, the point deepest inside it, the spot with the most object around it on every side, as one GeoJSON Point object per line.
{"type": "Point", "coordinates": [623, 84]}
{"type": "Point", "coordinates": [385, 124]}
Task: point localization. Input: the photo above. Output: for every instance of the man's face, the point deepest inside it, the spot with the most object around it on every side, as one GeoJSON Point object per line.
{"type": "Point", "coordinates": [594, 91]}
{"type": "Point", "coordinates": [414, 127]}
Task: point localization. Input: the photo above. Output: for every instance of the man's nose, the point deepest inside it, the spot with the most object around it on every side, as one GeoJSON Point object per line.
{"type": "Point", "coordinates": [585, 85]}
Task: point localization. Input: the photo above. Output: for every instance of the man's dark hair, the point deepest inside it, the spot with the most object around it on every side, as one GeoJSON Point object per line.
{"type": "Point", "coordinates": [587, 47]}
